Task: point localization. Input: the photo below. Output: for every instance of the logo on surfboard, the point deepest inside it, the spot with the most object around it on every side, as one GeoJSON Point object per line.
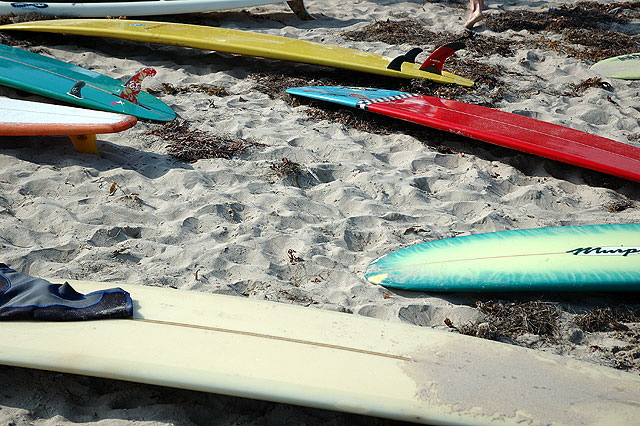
{"type": "Point", "coordinates": [630, 57]}
{"type": "Point", "coordinates": [605, 251]}
{"type": "Point", "coordinates": [36, 5]}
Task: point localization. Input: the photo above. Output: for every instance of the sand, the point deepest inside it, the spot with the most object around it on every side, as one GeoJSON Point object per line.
{"type": "Point", "coordinates": [233, 225]}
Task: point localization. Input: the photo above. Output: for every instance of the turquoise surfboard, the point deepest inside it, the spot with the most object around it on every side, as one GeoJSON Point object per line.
{"type": "Point", "coordinates": [567, 258]}
{"type": "Point", "coordinates": [51, 78]}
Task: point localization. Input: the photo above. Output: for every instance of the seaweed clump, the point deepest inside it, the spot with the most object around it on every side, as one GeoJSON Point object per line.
{"type": "Point", "coordinates": [582, 15]}
{"type": "Point", "coordinates": [585, 24]}
{"type": "Point", "coordinates": [511, 320]}
{"type": "Point", "coordinates": [209, 89]}
{"type": "Point", "coordinates": [395, 32]}
{"type": "Point", "coordinates": [596, 82]}
{"type": "Point", "coordinates": [414, 33]}
{"type": "Point", "coordinates": [607, 319]}
{"type": "Point", "coordinates": [192, 145]}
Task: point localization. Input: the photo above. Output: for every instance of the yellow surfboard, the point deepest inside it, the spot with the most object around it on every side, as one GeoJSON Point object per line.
{"type": "Point", "coordinates": [256, 44]}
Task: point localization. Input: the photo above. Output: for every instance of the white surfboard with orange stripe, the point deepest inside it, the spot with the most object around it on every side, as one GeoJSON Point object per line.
{"type": "Point", "coordinates": [25, 118]}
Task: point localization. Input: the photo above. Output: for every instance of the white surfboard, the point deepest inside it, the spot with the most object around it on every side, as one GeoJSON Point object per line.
{"type": "Point", "coordinates": [310, 357]}
{"type": "Point", "coordinates": [101, 9]}
{"type": "Point", "coordinates": [24, 118]}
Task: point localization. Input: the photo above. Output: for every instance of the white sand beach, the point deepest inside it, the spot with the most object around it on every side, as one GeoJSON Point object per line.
{"type": "Point", "coordinates": [228, 225]}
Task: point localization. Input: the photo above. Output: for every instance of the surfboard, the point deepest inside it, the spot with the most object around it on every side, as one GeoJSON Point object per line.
{"type": "Point", "coordinates": [24, 118]}
{"type": "Point", "coordinates": [331, 360]}
{"type": "Point", "coordinates": [625, 67]}
{"type": "Point", "coordinates": [256, 44]}
{"type": "Point", "coordinates": [106, 8]}
{"type": "Point", "coordinates": [51, 78]}
{"type": "Point", "coordinates": [490, 125]}
{"type": "Point", "coordinates": [568, 258]}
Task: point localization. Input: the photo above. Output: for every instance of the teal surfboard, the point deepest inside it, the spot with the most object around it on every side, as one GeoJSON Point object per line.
{"type": "Point", "coordinates": [625, 67]}
{"type": "Point", "coordinates": [62, 81]}
{"type": "Point", "coordinates": [567, 258]}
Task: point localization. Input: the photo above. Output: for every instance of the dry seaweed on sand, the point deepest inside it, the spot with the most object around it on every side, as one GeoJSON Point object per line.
{"type": "Point", "coordinates": [578, 89]}
{"type": "Point", "coordinates": [510, 320]}
{"type": "Point", "coordinates": [414, 33]}
{"type": "Point", "coordinates": [586, 28]}
{"type": "Point", "coordinates": [396, 32]}
{"type": "Point", "coordinates": [619, 205]}
{"type": "Point", "coordinates": [608, 318]}
{"type": "Point", "coordinates": [578, 16]}
{"type": "Point", "coordinates": [286, 168]}
{"type": "Point", "coordinates": [192, 145]}
{"type": "Point", "coordinates": [275, 85]}
{"type": "Point", "coordinates": [209, 89]}
{"type": "Point", "coordinates": [293, 173]}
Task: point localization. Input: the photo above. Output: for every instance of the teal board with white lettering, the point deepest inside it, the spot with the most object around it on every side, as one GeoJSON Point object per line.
{"type": "Point", "coordinates": [566, 258]}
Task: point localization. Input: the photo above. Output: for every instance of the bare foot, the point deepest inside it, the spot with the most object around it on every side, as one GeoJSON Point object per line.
{"type": "Point", "coordinates": [475, 16]}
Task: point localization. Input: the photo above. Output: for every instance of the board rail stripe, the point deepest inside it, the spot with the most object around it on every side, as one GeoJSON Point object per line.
{"type": "Point", "coordinates": [364, 104]}
{"type": "Point", "coordinates": [273, 337]}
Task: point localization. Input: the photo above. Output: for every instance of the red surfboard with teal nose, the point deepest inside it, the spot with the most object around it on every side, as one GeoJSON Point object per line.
{"type": "Point", "coordinates": [490, 125]}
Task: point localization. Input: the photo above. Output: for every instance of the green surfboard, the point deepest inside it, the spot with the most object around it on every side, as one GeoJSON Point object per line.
{"type": "Point", "coordinates": [624, 67]}
{"type": "Point", "coordinates": [565, 258]}
{"type": "Point", "coordinates": [51, 78]}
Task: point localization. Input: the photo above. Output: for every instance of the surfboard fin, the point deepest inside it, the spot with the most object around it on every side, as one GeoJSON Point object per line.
{"type": "Point", "coordinates": [410, 56]}
{"type": "Point", "coordinates": [76, 90]}
{"type": "Point", "coordinates": [297, 6]}
{"type": "Point", "coordinates": [134, 85]}
{"type": "Point", "coordinates": [435, 61]}
{"type": "Point", "coordinates": [85, 143]}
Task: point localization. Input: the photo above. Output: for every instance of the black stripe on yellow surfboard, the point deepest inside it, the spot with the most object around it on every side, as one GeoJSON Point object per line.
{"type": "Point", "coordinates": [273, 337]}
{"type": "Point", "coordinates": [76, 81]}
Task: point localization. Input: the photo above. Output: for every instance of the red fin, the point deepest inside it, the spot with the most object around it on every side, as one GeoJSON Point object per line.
{"type": "Point", "coordinates": [134, 85]}
{"type": "Point", "coordinates": [435, 62]}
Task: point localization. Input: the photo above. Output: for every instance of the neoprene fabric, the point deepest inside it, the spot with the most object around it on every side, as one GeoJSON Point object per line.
{"type": "Point", "coordinates": [23, 297]}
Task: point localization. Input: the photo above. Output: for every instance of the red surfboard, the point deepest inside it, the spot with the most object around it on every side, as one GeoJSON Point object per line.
{"type": "Point", "coordinates": [490, 125]}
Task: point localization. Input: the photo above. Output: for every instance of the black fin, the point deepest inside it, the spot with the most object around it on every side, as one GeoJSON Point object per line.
{"type": "Point", "coordinates": [410, 56]}
{"type": "Point", "coordinates": [76, 89]}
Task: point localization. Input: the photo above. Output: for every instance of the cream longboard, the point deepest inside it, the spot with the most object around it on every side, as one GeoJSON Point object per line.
{"type": "Point", "coordinates": [310, 357]}
{"type": "Point", "coordinates": [24, 118]}
{"type": "Point", "coordinates": [257, 44]}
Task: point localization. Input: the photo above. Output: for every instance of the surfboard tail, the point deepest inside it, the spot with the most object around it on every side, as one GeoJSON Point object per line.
{"type": "Point", "coordinates": [435, 62]}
